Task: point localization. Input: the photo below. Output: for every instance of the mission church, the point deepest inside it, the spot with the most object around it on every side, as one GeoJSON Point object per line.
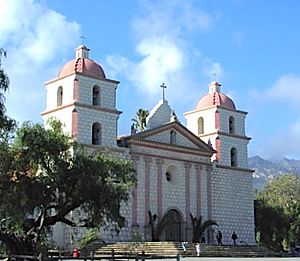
{"type": "Point", "coordinates": [199, 169]}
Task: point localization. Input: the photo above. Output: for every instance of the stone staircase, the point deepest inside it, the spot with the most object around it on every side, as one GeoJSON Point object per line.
{"type": "Point", "coordinates": [174, 248]}
{"type": "Point", "coordinates": [230, 251]}
{"type": "Point", "coordinates": [137, 248]}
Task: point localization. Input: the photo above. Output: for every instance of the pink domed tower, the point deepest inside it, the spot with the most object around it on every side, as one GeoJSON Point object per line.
{"type": "Point", "coordinates": [216, 121]}
{"type": "Point", "coordinates": [84, 100]}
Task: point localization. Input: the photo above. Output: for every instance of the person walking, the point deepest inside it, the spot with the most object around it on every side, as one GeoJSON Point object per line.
{"type": "Point", "coordinates": [184, 246]}
{"type": "Point", "coordinates": [234, 237]}
{"type": "Point", "coordinates": [219, 238]}
{"type": "Point", "coordinates": [198, 249]}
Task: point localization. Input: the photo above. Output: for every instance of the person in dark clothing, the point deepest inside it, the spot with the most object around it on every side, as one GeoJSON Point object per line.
{"type": "Point", "coordinates": [234, 237]}
{"type": "Point", "coordinates": [219, 238]}
{"type": "Point", "coordinates": [202, 239]}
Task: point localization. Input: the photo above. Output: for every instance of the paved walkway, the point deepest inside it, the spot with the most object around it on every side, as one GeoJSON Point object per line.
{"type": "Point", "coordinates": [239, 258]}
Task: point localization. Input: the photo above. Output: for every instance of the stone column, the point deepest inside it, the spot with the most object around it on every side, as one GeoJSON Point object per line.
{"type": "Point", "coordinates": [159, 163]}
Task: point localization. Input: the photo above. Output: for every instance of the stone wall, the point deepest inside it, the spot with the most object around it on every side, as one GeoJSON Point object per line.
{"type": "Point", "coordinates": [233, 206]}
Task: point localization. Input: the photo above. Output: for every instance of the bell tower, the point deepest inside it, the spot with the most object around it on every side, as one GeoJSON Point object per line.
{"type": "Point", "coordinates": [216, 120]}
{"type": "Point", "coordinates": [84, 100]}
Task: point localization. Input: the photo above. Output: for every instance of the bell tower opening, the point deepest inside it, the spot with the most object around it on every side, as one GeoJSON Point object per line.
{"type": "Point", "coordinates": [59, 96]}
{"type": "Point", "coordinates": [96, 96]}
{"type": "Point", "coordinates": [231, 125]}
{"type": "Point", "coordinates": [96, 134]}
{"type": "Point", "coordinates": [234, 157]}
{"type": "Point", "coordinates": [200, 125]}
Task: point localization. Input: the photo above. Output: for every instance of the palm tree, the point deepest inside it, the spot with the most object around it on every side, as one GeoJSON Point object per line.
{"type": "Point", "coordinates": [140, 119]}
{"type": "Point", "coordinates": [199, 227]}
{"type": "Point", "coordinates": [156, 226]}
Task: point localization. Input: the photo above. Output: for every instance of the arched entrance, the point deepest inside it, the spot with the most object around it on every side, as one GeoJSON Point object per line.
{"type": "Point", "coordinates": [173, 226]}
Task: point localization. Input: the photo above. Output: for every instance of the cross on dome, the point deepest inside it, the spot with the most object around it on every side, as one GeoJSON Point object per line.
{"type": "Point", "coordinates": [214, 76]}
{"type": "Point", "coordinates": [82, 39]}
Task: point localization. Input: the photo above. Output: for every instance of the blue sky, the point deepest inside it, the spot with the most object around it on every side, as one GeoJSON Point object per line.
{"type": "Point", "coordinates": [252, 46]}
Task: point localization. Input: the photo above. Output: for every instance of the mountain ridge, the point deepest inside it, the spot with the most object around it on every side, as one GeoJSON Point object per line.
{"type": "Point", "coordinates": [267, 169]}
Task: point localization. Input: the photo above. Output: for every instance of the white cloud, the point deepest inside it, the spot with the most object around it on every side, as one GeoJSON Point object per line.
{"type": "Point", "coordinates": [277, 108]}
{"type": "Point", "coordinates": [172, 18]}
{"type": "Point", "coordinates": [161, 59]}
{"type": "Point", "coordinates": [285, 143]}
{"type": "Point", "coordinates": [35, 37]}
{"type": "Point", "coordinates": [286, 89]}
{"type": "Point", "coordinates": [165, 55]}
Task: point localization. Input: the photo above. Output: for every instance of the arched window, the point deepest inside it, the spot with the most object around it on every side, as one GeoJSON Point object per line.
{"type": "Point", "coordinates": [96, 134]}
{"type": "Point", "coordinates": [59, 96]}
{"type": "Point", "coordinates": [200, 125]}
{"type": "Point", "coordinates": [96, 96]}
{"type": "Point", "coordinates": [231, 125]}
{"type": "Point", "coordinates": [233, 157]}
{"type": "Point", "coordinates": [172, 137]}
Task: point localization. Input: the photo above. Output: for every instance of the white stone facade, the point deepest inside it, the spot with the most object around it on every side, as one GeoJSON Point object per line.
{"type": "Point", "coordinates": [233, 203]}
{"type": "Point", "coordinates": [178, 172]}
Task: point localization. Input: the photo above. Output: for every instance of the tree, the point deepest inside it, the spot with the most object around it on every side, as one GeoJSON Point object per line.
{"type": "Point", "coordinates": [156, 225]}
{"type": "Point", "coordinates": [140, 119]}
{"type": "Point", "coordinates": [44, 176]}
{"type": "Point", "coordinates": [271, 225]}
{"type": "Point", "coordinates": [199, 227]}
{"type": "Point", "coordinates": [7, 125]}
{"type": "Point", "coordinates": [279, 202]}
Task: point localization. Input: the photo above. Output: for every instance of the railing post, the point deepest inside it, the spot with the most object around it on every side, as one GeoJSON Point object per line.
{"type": "Point", "coordinates": [112, 254]}
{"type": "Point", "coordinates": [177, 257]}
{"type": "Point", "coordinates": [92, 255]}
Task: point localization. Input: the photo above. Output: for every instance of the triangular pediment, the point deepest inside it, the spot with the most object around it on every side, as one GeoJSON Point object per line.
{"type": "Point", "coordinates": [184, 138]}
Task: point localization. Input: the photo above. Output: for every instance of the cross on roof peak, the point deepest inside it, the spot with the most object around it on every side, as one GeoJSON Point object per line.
{"type": "Point", "coordinates": [163, 86]}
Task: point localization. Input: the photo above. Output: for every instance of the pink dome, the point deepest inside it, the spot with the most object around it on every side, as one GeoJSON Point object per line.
{"type": "Point", "coordinates": [82, 65]}
{"type": "Point", "coordinates": [215, 99]}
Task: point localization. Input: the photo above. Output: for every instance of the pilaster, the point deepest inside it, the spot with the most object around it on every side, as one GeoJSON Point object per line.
{"type": "Point", "coordinates": [198, 189]}
{"type": "Point", "coordinates": [187, 168]}
{"type": "Point", "coordinates": [147, 161]}
{"type": "Point", "coordinates": [159, 163]}
{"type": "Point", "coordinates": [134, 193]}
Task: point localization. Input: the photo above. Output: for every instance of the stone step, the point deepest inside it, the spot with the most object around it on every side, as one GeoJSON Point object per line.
{"type": "Point", "coordinates": [174, 248]}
